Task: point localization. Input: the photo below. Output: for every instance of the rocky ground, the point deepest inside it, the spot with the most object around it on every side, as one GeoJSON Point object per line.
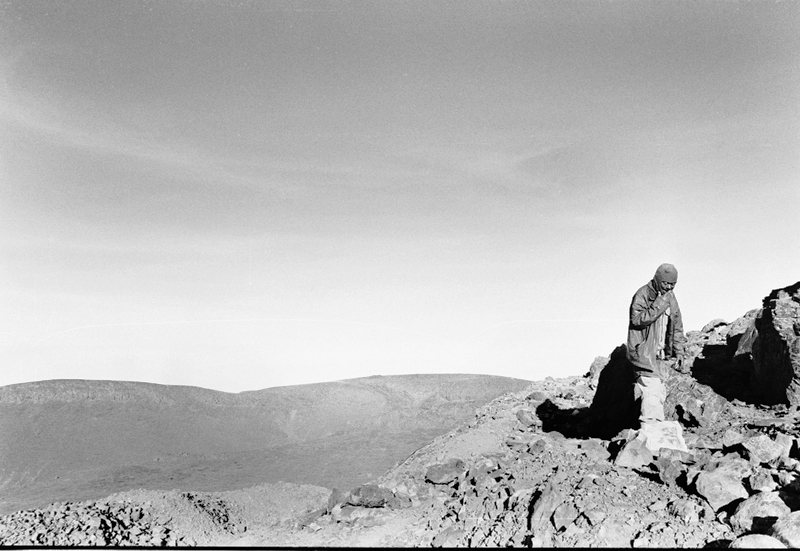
{"type": "Point", "coordinates": [528, 470]}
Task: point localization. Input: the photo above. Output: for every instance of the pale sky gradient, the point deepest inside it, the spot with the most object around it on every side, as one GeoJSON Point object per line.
{"type": "Point", "coordinates": [238, 195]}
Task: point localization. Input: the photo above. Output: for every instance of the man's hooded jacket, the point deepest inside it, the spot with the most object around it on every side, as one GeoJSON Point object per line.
{"type": "Point", "coordinates": [646, 306]}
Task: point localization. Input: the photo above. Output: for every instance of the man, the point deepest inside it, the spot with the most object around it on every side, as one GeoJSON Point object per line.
{"type": "Point", "coordinates": [655, 335]}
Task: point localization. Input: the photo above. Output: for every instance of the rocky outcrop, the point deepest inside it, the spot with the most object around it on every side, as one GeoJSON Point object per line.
{"type": "Point", "coordinates": [776, 349]}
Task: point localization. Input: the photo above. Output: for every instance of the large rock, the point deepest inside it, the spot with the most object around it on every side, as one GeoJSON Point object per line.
{"type": "Point", "coordinates": [662, 434]}
{"type": "Point", "coordinates": [634, 455]}
{"type": "Point", "coordinates": [719, 489]}
{"type": "Point", "coordinates": [787, 529]}
{"type": "Point", "coordinates": [759, 512]}
{"type": "Point", "coordinates": [692, 403]}
{"type": "Point", "coordinates": [756, 541]}
{"type": "Point", "coordinates": [776, 349]}
{"type": "Point", "coordinates": [763, 449]}
{"type": "Point", "coordinates": [443, 473]}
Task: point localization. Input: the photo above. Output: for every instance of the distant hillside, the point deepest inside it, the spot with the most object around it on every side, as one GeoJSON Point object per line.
{"type": "Point", "coordinates": [82, 439]}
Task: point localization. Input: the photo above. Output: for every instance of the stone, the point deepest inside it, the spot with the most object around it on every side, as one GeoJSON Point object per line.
{"type": "Point", "coordinates": [713, 324]}
{"type": "Point", "coordinates": [787, 529]}
{"type": "Point", "coordinates": [449, 537]}
{"type": "Point", "coordinates": [594, 516]}
{"type": "Point", "coordinates": [763, 449]}
{"type": "Point", "coordinates": [528, 418]}
{"type": "Point", "coordinates": [370, 495]}
{"type": "Point", "coordinates": [564, 515]}
{"type": "Point", "coordinates": [594, 450]}
{"type": "Point", "coordinates": [669, 470]}
{"type": "Point", "coordinates": [336, 497]}
{"type": "Point", "coordinates": [634, 455]}
{"type": "Point", "coordinates": [691, 403]}
{"type": "Point", "coordinates": [731, 438]}
{"type": "Point", "coordinates": [662, 434]}
{"type": "Point", "coordinates": [614, 534]}
{"type": "Point", "coordinates": [734, 466]}
{"type": "Point", "coordinates": [719, 489]}
{"type": "Point", "coordinates": [762, 481]}
{"type": "Point", "coordinates": [758, 512]}
{"type": "Point", "coordinates": [537, 396]}
{"type": "Point", "coordinates": [685, 510]}
{"type": "Point", "coordinates": [442, 473]}
{"type": "Point", "coordinates": [756, 541]}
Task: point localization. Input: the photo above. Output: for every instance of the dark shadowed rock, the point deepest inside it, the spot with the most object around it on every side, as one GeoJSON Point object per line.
{"type": "Point", "coordinates": [776, 350]}
{"type": "Point", "coordinates": [614, 406]}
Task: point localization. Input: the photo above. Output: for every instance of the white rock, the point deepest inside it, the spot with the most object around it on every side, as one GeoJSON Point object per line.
{"type": "Point", "coordinates": [662, 434]}
{"type": "Point", "coordinates": [756, 541]}
{"type": "Point", "coordinates": [787, 529]}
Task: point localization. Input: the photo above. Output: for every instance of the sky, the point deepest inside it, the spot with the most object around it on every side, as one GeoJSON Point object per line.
{"type": "Point", "coordinates": [241, 195]}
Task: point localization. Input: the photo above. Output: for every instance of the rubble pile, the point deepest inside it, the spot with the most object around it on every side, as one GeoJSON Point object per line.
{"type": "Point", "coordinates": [87, 524]}
{"type": "Point", "coordinates": [141, 518]}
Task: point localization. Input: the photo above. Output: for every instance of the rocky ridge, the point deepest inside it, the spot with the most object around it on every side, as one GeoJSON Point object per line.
{"type": "Point", "coordinates": [535, 468]}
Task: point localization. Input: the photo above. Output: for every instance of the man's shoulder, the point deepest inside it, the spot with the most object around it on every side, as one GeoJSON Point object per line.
{"type": "Point", "coordinates": [645, 291]}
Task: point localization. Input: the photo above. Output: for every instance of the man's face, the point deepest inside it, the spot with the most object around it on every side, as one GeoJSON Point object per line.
{"type": "Point", "coordinates": [666, 286]}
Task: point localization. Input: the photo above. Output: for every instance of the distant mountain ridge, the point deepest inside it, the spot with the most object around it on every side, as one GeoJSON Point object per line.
{"type": "Point", "coordinates": [69, 439]}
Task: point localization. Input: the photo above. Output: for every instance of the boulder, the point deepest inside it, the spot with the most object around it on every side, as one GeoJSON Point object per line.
{"type": "Point", "coordinates": [634, 454]}
{"type": "Point", "coordinates": [756, 541]}
{"type": "Point", "coordinates": [564, 515]}
{"type": "Point", "coordinates": [669, 470]}
{"type": "Point", "coordinates": [776, 349]}
{"type": "Point", "coordinates": [662, 434]}
{"type": "Point", "coordinates": [370, 495]}
{"type": "Point", "coordinates": [528, 418]}
{"type": "Point", "coordinates": [787, 529]}
{"type": "Point", "coordinates": [442, 473]}
{"type": "Point", "coordinates": [692, 403]}
{"type": "Point", "coordinates": [758, 512]}
{"type": "Point", "coordinates": [762, 481]}
{"type": "Point", "coordinates": [763, 449]}
{"type": "Point", "coordinates": [719, 489]}
{"type": "Point", "coordinates": [685, 510]}
{"type": "Point", "coordinates": [735, 466]}
{"type": "Point", "coordinates": [731, 437]}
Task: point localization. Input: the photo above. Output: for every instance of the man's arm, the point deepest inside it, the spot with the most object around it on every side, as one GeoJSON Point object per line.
{"type": "Point", "coordinates": [678, 336]}
{"type": "Point", "coordinates": [642, 315]}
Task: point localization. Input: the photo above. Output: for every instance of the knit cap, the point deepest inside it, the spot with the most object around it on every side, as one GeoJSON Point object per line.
{"type": "Point", "coordinates": [666, 273]}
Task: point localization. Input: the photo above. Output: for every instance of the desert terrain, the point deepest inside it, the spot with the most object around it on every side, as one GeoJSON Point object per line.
{"type": "Point", "coordinates": [557, 462]}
